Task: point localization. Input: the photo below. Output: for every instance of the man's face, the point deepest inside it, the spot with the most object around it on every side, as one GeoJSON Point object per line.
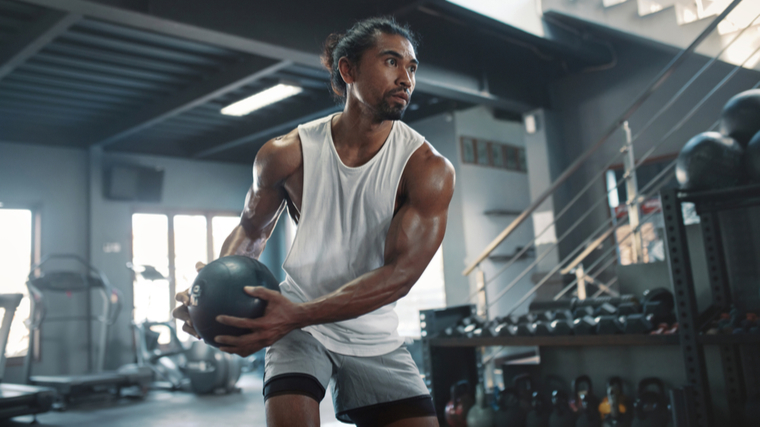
{"type": "Point", "coordinates": [385, 76]}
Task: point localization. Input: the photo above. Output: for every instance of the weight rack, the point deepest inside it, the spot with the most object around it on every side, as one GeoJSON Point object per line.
{"type": "Point", "coordinates": [449, 359]}
{"type": "Point", "coordinates": [708, 205]}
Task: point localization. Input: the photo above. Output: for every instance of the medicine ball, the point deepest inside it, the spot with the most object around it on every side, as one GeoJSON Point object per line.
{"type": "Point", "coordinates": [709, 161]}
{"type": "Point", "coordinates": [218, 289]}
{"type": "Point", "coordinates": [740, 118]}
{"type": "Point", "coordinates": [752, 158]}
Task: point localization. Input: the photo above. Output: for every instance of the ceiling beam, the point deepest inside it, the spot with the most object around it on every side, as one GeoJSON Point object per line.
{"type": "Point", "coordinates": [267, 133]}
{"type": "Point", "coordinates": [34, 38]}
{"type": "Point", "coordinates": [457, 85]}
{"type": "Point", "coordinates": [200, 93]}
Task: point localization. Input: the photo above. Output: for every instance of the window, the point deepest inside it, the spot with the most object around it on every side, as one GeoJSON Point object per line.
{"type": "Point", "coordinates": [172, 244]}
{"type": "Point", "coordinates": [18, 230]}
{"type": "Point", "coordinates": [427, 293]}
{"type": "Point", "coordinates": [150, 248]}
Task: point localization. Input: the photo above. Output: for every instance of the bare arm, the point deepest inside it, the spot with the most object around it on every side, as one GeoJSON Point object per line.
{"type": "Point", "coordinates": [266, 199]}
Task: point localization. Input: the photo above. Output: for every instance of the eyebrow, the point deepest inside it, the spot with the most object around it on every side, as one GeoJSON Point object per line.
{"type": "Point", "coordinates": [397, 55]}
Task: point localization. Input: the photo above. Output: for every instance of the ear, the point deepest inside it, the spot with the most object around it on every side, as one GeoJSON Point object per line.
{"type": "Point", "coordinates": [347, 70]}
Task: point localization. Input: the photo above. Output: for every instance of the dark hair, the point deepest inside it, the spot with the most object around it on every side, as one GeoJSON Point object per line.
{"type": "Point", "coordinates": [355, 41]}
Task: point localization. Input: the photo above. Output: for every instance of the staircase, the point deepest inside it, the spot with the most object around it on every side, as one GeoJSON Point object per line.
{"type": "Point", "coordinates": [591, 268]}
{"type": "Point", "coordinates": [674, 22]}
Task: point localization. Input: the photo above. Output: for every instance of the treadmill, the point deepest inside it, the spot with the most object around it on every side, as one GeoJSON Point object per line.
{"type": "Point", "coordinates": [44, 283]}
{"type": "Point", "coordinates": [17, 399]}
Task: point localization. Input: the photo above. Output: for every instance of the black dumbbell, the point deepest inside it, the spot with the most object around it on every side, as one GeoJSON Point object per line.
{"type": "Point", "coordinates": [627, 308]}
{"type": "Point", "coordinates": [605, 309]}
{"type": "Point", "coordinates": [636, 324]}
{"type": "Point", "coordinates": [542, 328]}
{"type": "Point", "coordinates": [525, 329]}
{"type": "Point", "coordinates": [606, 325]}
{"type": "Point", "coordinates": [580, 312]}
{"type": "Point", "coordinates": [562, 326]}
{"type": "Point", "coordinates": [585, 325]}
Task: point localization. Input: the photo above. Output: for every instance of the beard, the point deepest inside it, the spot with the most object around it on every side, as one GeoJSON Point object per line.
{"type": "Point", "coordinates": [391, 111]}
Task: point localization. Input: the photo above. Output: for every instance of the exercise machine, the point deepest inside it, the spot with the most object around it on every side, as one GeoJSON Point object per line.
{"type": "Point", "coordinates": [195, 367]}
{"type": "Point", "coordinates": [18, 399]}
{"type": "Point", "coordinates": [45, 283]}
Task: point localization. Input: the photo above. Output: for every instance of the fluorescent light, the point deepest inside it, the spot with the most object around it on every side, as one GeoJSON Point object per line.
{"type": "Point", "coordinates": [261, 99]}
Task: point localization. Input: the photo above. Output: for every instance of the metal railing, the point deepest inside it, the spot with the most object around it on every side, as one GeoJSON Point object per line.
{"type": "Point", "coordinates": [601, 234]}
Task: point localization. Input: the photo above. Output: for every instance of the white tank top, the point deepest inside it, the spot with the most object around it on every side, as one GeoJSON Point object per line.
{"type": "Point", "coordinates": [345, 216]}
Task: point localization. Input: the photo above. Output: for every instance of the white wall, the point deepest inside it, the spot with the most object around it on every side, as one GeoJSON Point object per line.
{"type": "Point", "coordinates": [479, 189]}
{"type": "Point", "coordinates": [484, 189]}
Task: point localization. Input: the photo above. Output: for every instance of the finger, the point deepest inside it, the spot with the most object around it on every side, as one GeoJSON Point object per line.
{"type": "Point", "coordinates": [260, 292]}
{"type": "Point", "coordinates": [189, 329]}
{"type": "Point", "coordinates": [199, 266]}
{"type": "Point", "coordinates": [238, 322]}
{"type": "Point", "coordinates": [183, 297]}
{"type": "Point", "coordinates": [181, 313]}
{"type": "Point", "coordinates": [229, 340]}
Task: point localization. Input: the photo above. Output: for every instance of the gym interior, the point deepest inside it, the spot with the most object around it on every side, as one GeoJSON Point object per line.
{"type": "Point", "coordinates": [601, 258]}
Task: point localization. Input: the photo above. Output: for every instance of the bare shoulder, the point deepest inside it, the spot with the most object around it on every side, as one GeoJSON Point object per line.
{"type": "Point", "coordinates": [430, 177]}
{"type": "Point", "coordinates": [278, 159]}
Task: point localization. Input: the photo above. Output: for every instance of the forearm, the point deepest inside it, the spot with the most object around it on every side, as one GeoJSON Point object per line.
{"type": "Point", "coordinates": [239, 242]}
{"type": "Point", "coordinates": [362, 295]}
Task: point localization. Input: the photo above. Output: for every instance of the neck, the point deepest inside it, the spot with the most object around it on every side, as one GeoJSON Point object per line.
{"type": "Point", "coordinates": [358, 126]}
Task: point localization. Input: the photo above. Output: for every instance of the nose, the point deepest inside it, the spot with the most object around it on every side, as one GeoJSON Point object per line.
{"type": "Point", "coordinates": [406, 80]}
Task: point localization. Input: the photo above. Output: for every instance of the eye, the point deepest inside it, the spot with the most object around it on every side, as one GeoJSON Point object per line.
{"type": "Point", "coordinates": [413, 68]}
{"type": "Point", "coordinates": [392, 61]}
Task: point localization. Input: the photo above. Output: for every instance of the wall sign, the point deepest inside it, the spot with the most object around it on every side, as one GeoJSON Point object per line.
{"type": "Point", "coordinates": [493, 154]}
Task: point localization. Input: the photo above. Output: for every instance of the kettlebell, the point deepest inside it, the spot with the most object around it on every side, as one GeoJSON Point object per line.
{"type": "Point", "coordinates": [480, 415]}
{"type": "Point", "coordinates": [650, 407]}
{"type": "Point", "coordinates": [613, 408]}
{"type": "Point", "coordinates": [459, 405]}
{"type": "Point", "coordinates": [510, 412]}
{"type": "Point", "coordinates": [585, 404]}
{"type": "Point", "coordinates": [523, 383]}
{"type": "Point", "coordinates": [562, 415]}
{"type": "Point", "coordinates": [538, 416]}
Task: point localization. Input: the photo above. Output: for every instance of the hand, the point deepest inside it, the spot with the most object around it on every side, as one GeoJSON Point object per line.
{"type": "Point", "coordinates": [280, 317]}
{"type": "Point", "coordinates": [181, 312]}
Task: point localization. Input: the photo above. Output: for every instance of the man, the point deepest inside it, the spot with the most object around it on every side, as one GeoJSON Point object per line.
{"type": "Point", "coordinates": [370, 197]}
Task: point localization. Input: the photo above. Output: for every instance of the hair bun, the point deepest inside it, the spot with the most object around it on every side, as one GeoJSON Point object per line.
{"type": "Point", "coordinates": [330, 44]}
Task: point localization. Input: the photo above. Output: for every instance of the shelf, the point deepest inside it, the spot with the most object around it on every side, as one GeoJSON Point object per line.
{"type": "Point", "coordinates": [729, 339]}
{"type": "Point", "coordinates": [727, 198]}
{"type": "Point", "coordinates": [558, 341]}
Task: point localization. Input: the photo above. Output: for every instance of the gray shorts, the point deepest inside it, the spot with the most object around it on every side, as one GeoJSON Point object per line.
{"type": "Point", "coordinates": [366, 390]}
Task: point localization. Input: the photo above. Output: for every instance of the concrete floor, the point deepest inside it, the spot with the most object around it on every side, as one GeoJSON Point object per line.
{"type": "Point", "coordinates": [180, 409]}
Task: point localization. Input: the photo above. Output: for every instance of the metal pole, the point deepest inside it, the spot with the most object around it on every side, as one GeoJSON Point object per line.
{"type": "Point", "coordinates": [632, 188]}
{"type": "Point", "coordinates": [581, 275]}
{"type": "Point", "coordinates": [480, 279]}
